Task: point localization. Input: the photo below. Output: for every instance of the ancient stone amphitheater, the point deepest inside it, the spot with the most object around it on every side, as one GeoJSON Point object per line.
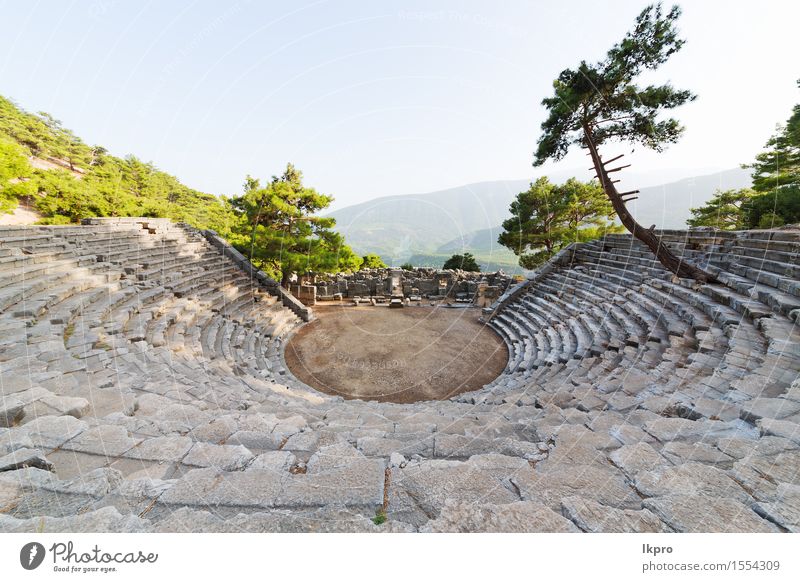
{"type": "Point", "coordinates": [143, 389]}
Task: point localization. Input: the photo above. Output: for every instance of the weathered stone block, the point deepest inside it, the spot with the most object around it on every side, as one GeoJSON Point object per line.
{"type": "Point", "coordinates": [591, 516]}
{"type": "Point", "coordinates": [518, 517]}
{"type": "Point", "coordinates": [704, 514]}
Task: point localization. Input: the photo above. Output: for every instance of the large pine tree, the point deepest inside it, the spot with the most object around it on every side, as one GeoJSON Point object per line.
{"type": "Point", "coordinates": [286, 235]}
{"type": "Point", "coordinates": [601, 103]}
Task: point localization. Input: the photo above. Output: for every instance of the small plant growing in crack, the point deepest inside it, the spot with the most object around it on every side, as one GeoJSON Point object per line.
{"type": "Point", "coordinates": [68, 331]}
{"type": "Point", "coordinates": [380, 517]}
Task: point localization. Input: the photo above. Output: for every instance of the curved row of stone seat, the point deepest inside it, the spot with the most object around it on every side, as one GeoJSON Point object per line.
{"type": "Point", "coordinates": [576, 313]}
{"type": "Point", "coordinates": [738, 323]}
{"type": "Point", "coordinates": [98, 318]}
{"type": "Point", "coordinates": [632, 418]}
{"type": "Point", "coordinates": [613, 271]}
{"type": "Point", "coordinates": [739, 299]}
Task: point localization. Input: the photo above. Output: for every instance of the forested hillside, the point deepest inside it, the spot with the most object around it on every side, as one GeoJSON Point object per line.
{"type": "Point", "coordinates": [50, 169]}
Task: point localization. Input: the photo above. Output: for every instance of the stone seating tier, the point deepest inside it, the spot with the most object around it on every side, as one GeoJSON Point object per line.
{"type": "Point", "coordinates": [144, 389]}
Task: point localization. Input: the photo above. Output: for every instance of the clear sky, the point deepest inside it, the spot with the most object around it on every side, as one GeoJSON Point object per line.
{"type": "Point", "coordinates": [375, 98]}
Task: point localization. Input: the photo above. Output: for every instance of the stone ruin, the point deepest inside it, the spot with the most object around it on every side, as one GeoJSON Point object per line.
{"type": "Point", "coordinates": [144, 389]}
{"type": "Point", "coordinates": [381, 285]}
{"type": "Point", "coordinates": [394, 285]}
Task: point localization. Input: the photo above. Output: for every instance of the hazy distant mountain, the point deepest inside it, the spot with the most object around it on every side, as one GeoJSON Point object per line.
{"type": "Point", "coordinates": [668, 205]}
{"type": "Point", "coordinates": [397, 227]}
{"type": "Point", "coordinates": [426, 228]}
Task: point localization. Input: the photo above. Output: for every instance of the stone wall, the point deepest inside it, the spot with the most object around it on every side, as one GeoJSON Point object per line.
{"type": "Point", "coordinates": [461, 286]}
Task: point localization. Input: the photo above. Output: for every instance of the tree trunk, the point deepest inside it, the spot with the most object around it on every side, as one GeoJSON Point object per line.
{"type": "Point", "coordinates": [647, 236]}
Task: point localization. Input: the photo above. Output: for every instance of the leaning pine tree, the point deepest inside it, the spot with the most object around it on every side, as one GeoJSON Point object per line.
{"type": "Point", "coordinates": [600, 103]}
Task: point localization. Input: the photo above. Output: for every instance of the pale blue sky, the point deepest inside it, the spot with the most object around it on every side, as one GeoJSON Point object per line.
{"type": "Point", "coordinates": [376, 98]}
